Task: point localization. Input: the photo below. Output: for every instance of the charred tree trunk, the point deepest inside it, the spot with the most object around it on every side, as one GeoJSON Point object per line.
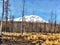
{"type": "Point", "coordinates": [44, 27]}
{"type": "Point", "coordinates": [55, 23]}
{"type": "Point", "coordinates": [12, 26]}
{"type": "Point", "coordinates": [1, 26]}
{"type": "Point", "coordinates": [22, 16]}
{"type": "Point", "coordinates": [6, 10]}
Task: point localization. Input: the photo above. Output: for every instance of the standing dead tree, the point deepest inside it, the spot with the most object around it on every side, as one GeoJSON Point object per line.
{"type": "Point", "coordinates": [6, 12]}
{"type": "Point", "coordinates": [44, 26]}
{"type": "Point", "coordinates": [55, 22]}
{"type": "Point", "coordinates": [23, 6]}
{"type": "Point", "coordinates": [1, 27]}
{"type": "Point", "coordinates": [10, 20]}
{"type": "Point", "coordinates": [52, 22]}
{"type": "Point", "coordinates": [2, 17]}
{"type": "Point", "coordinates": [12, 26]}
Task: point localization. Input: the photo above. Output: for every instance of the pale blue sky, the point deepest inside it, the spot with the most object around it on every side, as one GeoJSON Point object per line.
{"type": "Point", "coordinates": [41, 8]}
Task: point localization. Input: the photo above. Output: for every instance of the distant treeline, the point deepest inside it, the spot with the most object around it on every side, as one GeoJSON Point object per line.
{"type": "Point", "coordinates": [30, 27]}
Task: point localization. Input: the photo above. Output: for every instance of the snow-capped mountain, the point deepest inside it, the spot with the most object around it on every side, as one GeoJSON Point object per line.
{"type": "Point", "coordinates": [31, 18]}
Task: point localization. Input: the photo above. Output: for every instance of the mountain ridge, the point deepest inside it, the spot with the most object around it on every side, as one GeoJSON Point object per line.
{"type": "Point", "coordinates": [31, 18]}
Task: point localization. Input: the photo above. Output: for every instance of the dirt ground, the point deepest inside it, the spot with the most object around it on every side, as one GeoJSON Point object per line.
{"type": "Point", "coordinates": [17, 43]}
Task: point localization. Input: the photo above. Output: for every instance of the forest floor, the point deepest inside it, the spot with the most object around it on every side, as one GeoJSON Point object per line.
{"type": "Point", "coordinates": [31, 39]}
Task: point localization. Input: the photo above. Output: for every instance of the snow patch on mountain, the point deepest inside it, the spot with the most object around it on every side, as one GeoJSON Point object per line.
{"type": "Point", "coordinates": [31, 18]}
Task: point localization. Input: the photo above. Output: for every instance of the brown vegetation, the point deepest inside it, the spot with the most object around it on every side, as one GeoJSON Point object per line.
{"type": "Point", "coordinates": [30, 27]}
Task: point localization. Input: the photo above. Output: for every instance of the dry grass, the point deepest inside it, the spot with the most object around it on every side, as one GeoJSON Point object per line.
{"type": "Point", "coordinates": [44, 39]}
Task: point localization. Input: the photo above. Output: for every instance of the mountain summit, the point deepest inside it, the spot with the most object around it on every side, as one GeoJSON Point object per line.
{"type": "Point", "coordinates": [31, 18]}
